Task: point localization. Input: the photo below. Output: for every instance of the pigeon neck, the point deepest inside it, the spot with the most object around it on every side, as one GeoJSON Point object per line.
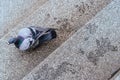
{"type": "Point", "coordinates": [19, 41]}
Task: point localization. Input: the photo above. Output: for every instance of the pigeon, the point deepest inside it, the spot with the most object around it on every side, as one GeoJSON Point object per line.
{"type": "Point", "coordinates": [32, 37]}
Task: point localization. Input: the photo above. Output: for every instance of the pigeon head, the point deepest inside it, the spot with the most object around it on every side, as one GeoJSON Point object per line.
{"type": "Point", "coordinates": [12, 40]}
{"type": "Point", "coordinates": [16, 41]}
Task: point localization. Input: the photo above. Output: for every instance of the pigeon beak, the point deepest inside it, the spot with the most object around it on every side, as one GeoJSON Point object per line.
{"type": "Point", "coordinates": [8, 43]}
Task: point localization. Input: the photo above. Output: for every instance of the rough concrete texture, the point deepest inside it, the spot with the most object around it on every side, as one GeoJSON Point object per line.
{"type": "Point", "coordinates": [14, 11]}
{"type": "Point", "coordinates": [65, 15]}
{"type": "Point", "coordinates": [92, 53]}
{"type": "Point", "coordinates": [61, 13]}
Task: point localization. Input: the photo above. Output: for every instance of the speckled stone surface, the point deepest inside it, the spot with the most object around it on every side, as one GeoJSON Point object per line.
{"type": "Point", "coordinates": [14, 11]}
{"type": "Point", "coordinates": [92, 53]}
{"type": "Point", "coordinates": [65, 15]}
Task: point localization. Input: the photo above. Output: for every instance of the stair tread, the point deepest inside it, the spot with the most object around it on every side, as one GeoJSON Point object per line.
{"type": "Point", "coordinates": [14, 12]}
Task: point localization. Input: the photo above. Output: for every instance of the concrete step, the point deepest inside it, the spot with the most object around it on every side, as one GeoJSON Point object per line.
{"type": "Point", "coordinates": [92, 53]}
{"type": "Point", "coordinates": [66, 15]}
{"type": "Point", "coordinates": [15, 11]}
{"type": "Point", "coordinates": [51, 14]}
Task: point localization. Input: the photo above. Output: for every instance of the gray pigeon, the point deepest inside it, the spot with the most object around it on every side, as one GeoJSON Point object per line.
{"type": "Point", "coordinates": [32, 37]}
